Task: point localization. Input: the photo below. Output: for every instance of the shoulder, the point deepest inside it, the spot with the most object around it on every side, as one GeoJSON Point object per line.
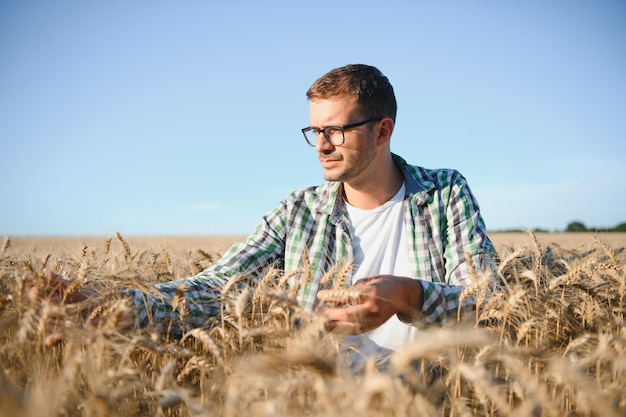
{"type": "Point", "coordinates": [320, 192]}
{"type": "Point", "coordinates": [316, 198]}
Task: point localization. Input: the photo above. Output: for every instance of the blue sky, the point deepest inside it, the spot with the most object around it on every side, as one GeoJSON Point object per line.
{"type": "Point", "coordinates": [184, 117]}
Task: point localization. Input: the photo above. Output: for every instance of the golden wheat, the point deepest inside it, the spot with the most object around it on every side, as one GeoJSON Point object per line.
{"type": "Point", "coordinates": [550, 340]}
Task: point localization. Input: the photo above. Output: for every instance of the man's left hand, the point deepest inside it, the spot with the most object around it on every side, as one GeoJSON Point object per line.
{"type": "Point", "coordinates": [369, 303]}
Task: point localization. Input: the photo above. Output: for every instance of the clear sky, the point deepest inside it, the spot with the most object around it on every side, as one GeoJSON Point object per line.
{"type": "Point", "coordinates": [184, 117]}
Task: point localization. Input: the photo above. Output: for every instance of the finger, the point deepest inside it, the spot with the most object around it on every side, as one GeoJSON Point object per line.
{"type": "Point", "coordinates": [54, 339]}
{"type": "Point", "coordinates": [49, 275]}
{"type": "Point", "coordinates": [52, 281]}
{"type": "Point", "coordinates": [351, 313]}
{"type": "Point", "coordinates": [61, 285]}
{"type": "Point", "coordinates": [54, 322]}
{"type": "Point", "coordinates": [33, 294]}
{"type": "Point", "coordinates": [343, 328]}
{"type": "Point", "coordinates": [56, 281]}
{"type": "Point", "coordinates": [52, 309]}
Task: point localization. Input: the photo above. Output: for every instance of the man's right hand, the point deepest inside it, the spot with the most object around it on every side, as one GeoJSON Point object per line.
{"type": "Point", "coordinates": [62, 302]}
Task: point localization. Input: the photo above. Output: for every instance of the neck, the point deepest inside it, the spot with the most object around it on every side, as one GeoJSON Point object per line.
{"type": "Point", "coordinates": [376, 190]}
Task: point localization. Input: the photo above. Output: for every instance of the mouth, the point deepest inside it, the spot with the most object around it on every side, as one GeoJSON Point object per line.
{"type": "Point", "coordinates": [329, 158]}
{"type": "Point", "coordinates": [327, 162]}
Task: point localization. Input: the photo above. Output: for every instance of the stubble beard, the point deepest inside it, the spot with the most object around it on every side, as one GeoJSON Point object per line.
{"type": "Point", "coordinates": [352, 168]}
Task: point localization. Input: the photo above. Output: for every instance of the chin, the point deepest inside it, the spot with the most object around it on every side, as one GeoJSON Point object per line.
{"type": "Point", "coordinates": [330, 177]}
{"type": "Point", "coordinates": [334, 178]}
{"type": "Point", "coordinates": [334, 175]}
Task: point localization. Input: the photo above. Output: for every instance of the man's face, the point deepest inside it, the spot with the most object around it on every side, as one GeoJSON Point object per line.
{"type": "Point", "coordinates": [347, 162]}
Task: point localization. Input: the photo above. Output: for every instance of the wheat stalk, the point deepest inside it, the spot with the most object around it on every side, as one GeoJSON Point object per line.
{"type": "Point", "coordinates": [125, 246]}
{"type": "Point", "coordinates": [5, 246]}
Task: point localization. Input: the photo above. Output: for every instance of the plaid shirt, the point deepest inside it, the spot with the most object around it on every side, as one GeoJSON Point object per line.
{"type": "Point", "coordinates": [443, 225]}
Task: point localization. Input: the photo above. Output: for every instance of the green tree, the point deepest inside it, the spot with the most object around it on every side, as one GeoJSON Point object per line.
{"type": "Point", "coordinates": [576, 226]}
{"type": "Point", "coordinates": [620, 228]}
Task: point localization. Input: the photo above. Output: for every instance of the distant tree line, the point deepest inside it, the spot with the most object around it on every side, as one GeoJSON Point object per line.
{"type": "Point", "coordinates": [578, 226]}
{"type": "Point", "coordinates": [574, 226]}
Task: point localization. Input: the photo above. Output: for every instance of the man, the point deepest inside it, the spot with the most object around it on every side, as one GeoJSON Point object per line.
{"type": "Point", "coordinates": [412, 234]}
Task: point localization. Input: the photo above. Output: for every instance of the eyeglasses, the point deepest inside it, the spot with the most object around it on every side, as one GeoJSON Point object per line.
{"type": "Point", "coordinates": [333, 134]}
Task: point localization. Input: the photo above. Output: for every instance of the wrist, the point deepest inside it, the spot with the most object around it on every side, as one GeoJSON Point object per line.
{"type": "Point", "coordinates": [411, 308]}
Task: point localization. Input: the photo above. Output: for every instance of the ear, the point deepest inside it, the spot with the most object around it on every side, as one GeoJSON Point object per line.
{"type": "Point", "coordinates": [384, 131]}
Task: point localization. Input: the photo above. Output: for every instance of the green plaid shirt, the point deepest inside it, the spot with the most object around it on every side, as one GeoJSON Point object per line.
{"type": "Point", "coordinates": [443, 225]}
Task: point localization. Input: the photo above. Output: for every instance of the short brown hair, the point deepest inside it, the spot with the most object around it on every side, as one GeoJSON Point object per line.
{"type": "Point", "coordinates": [367, 83]}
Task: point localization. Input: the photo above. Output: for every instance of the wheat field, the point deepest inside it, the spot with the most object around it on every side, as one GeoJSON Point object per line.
{"type": "Point", "coordinates": [550, 341]}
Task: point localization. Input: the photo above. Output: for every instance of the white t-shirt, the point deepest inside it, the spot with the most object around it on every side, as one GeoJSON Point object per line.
{"type": "Point", "coordinates": [380, 247]}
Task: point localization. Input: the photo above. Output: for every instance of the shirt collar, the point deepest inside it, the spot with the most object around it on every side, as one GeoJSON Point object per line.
{"type": "Point", "coordinates": [418, 184]}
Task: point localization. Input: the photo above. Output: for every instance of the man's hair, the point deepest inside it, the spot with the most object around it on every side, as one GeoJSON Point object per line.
{"type": "Point", "coordinates": [373, 90]}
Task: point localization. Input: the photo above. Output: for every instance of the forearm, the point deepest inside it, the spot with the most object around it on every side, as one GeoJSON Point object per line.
{"type": "Point", "coordinates": [191, 302]}
{"type": "Point", "coordinates": [175, 306]}
{"type": "Point", "coordinates": [449, 300]}
{"type": "Point", "coordinates": [179, 305]}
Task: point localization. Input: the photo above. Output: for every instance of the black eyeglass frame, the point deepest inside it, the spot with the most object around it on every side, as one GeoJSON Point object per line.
{"type": "Point", "coordinates": [340, 128]}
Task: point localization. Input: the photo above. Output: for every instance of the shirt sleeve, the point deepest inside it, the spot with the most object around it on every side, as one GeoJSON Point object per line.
{"type": "Point", "coordinates": [178, 305]}
{"type": "Point", "coordinates": [468, 255]}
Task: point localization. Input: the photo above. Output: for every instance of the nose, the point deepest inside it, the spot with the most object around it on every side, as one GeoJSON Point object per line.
{"type": "Point", "coordinates": [323, 145]}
